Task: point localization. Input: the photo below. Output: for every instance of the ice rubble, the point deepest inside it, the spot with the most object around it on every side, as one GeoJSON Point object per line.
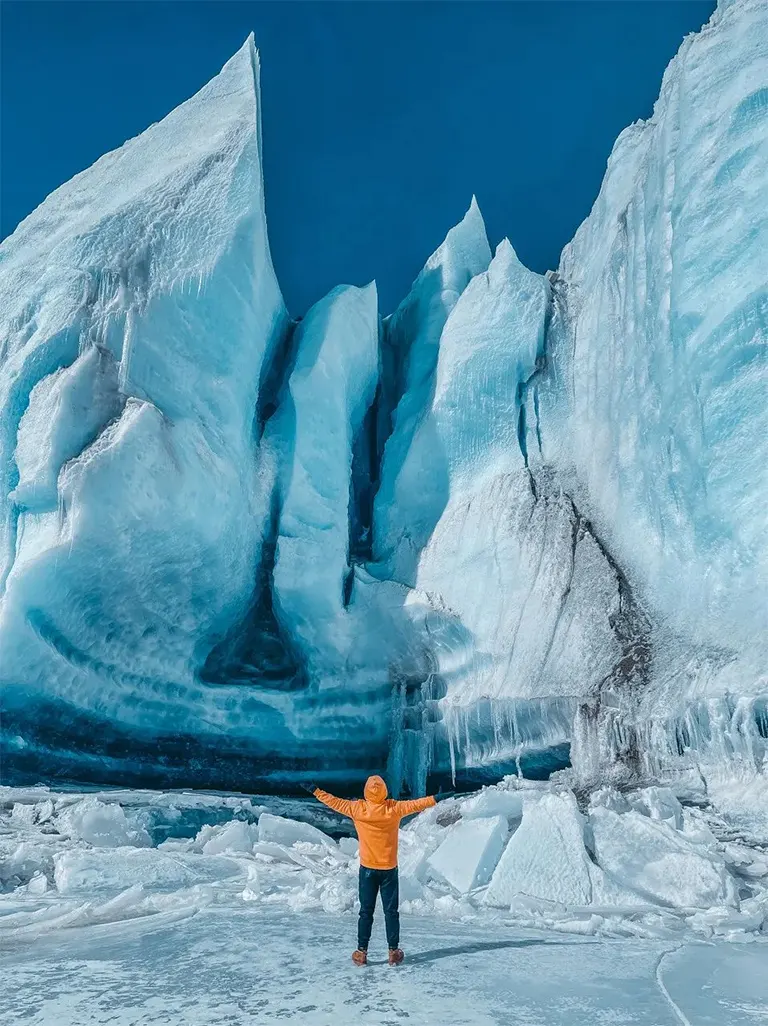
{"type": "Point", "coordinates": [623, 864]}
{"type": "Point", "coordinates": [466, 858]}
{"type": "Point", "coordinates": [546, 858]}
{"type": "Point", "coordinates": [519, 521]}
{"type": "Point", "coordinates": [282, 830]}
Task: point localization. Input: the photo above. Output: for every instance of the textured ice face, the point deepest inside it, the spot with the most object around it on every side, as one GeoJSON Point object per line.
{"type": "Point", "coordinates": [140, 310]}
{"type": "Point", "coordinates": [330, 390]}
{"type": "Point", "coordinates": [519, 513]}
{"type": "Point", "coordinates": [413, 343]}
{"type": "Point", "coordinates": [657, 394]}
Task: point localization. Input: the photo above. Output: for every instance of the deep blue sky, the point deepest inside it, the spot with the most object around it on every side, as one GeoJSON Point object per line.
{"type": "Point", "coordinates": [380, 119]}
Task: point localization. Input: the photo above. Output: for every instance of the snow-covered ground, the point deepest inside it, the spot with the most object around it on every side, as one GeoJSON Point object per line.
{"type": "Point", "coordinates": [143, 907]}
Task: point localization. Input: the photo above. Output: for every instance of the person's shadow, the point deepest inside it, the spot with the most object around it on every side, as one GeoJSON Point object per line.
{"type": "Point", "coordinates": [422, 957]}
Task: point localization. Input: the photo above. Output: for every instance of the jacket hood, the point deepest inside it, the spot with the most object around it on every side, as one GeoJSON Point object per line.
{"type": "Point", "coordinates": [375, 790]}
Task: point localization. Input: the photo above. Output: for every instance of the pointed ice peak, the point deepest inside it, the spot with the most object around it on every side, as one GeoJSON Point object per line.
{"type": "Point", "coordinates": [195, 152]}
{"type": "Point", "coordinates": [463, 253]}
{"type": "Point", "coordinates": [244, 64]}
{"type": "Point", "coordinates": [506, 271]}
{"type": "Point", "coordinates": [505, 251]}
{"type": "Point", "coordinates": [465, 245]}
{"type": "Point", "coordinates": [506, 261]}
{"type": "Point", "coordinates": [178, 210]}
{"type": "Point", "coordinates": [371, 288]}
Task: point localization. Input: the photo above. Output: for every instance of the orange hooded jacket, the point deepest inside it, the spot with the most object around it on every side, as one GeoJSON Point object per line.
{"type": "Point", "coordinates": [377, 821]}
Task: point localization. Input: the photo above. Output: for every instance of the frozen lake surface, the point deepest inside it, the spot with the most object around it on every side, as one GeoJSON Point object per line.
{"type": "Point", "coordinates": [256, 966]}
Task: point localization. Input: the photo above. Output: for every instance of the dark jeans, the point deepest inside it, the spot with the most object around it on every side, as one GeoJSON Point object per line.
{"type": "Point", "coordinates": [371, 882]}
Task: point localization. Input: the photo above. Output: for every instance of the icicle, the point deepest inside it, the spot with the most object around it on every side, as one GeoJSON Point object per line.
{"type": "Point", "coordinates": [451, 745]}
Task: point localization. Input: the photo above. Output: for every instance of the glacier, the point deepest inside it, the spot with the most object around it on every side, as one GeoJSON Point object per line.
{"type": "Point", "coordinates": [517, 525]}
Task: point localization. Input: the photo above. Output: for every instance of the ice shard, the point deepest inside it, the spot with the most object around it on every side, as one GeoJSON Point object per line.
{"type": "Point", "coordinates": [411, 348]}
{"type": "Point", "coordinates": [140, 313]}
{"type": "Point", "coordinates": [330, 390]}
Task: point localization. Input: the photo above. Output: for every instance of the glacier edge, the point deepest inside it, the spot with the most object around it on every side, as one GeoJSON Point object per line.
{"type": "Point", "coordinates": [515, 522]}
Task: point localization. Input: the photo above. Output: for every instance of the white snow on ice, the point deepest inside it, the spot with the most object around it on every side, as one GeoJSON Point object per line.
{"type": "Point", "coordinates": [208, 928]}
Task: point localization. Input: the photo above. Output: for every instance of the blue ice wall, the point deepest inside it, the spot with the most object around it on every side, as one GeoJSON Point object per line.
{"type": "Point", "coordinates": [520, 517]}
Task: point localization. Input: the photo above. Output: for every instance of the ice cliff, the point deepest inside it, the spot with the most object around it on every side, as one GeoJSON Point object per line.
{"type": "Point", "coordinates": [519, 521]}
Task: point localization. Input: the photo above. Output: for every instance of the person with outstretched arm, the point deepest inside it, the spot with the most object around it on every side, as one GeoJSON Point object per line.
{"type": "Point", "coordinates": [377, 822]}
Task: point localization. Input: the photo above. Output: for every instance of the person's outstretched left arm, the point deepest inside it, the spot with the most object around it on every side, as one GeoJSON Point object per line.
{"type": "Point", "coordinates": [408, 808]}
{"type": "Point", "coordinates": [341, 805]}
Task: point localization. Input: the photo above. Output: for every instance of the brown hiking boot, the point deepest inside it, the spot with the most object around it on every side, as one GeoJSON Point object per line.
{"type": "Point", "coordinates": [360, 957]}
{"type": "Point", "coordinates": [396, 955]}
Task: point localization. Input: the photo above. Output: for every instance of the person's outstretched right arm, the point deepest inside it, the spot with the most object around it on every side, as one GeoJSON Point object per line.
{"type": "Point", "coordinates": [407, 808]}
{"type": "Point", "coordinates": [341, 805]}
